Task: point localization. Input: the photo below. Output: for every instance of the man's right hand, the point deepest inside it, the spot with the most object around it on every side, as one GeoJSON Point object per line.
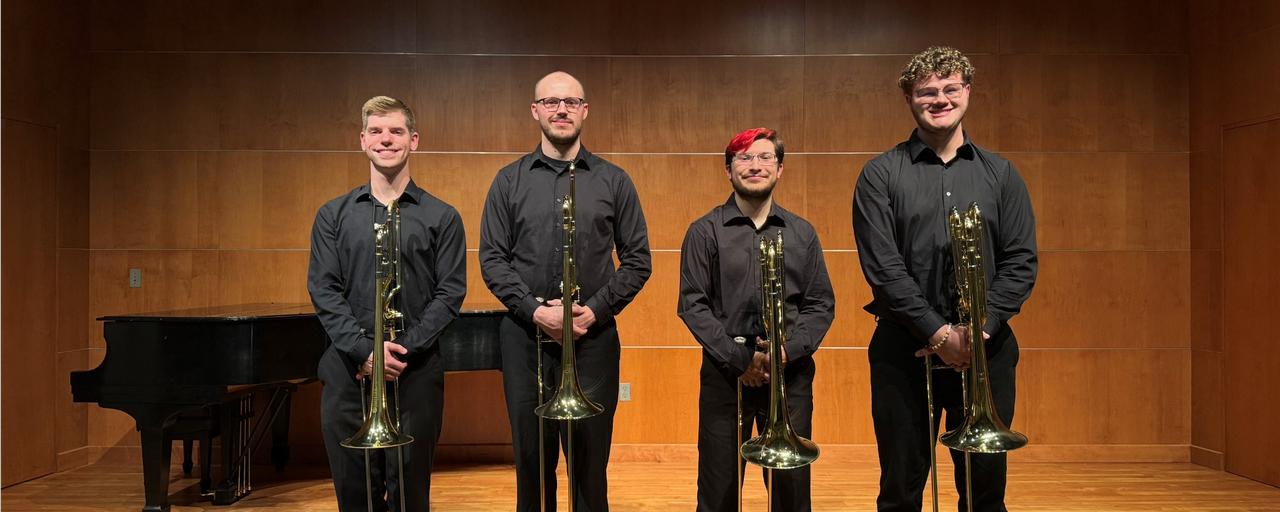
{"type": "Point", "coordinates": [757, 373]}
{"type": "Point", "coordinates": [550, 319]}
{"type": "Point", "coordinates": [392, 365]}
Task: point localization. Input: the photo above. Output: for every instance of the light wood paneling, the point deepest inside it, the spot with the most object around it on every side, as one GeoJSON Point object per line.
{"type": "Point", "coordinates": [1104, 396]}
{"type": "Point", "coordinates": [30, 304]}
{"type": "Point", "coordinates": [1096, 26]}
{"type": "Point", "coordinates": [1208, 415]}
{"type": "Point", "coordinates": [475, 410]}
{"type": "Point", "coordinates": [650, 320]}
{"type": "Point", "coordinates": [853, 325]}
{"type": "Point", "coordinates": [71, 419]}
{"type": "Point", "coordinates": [653, 101]}
{"type": "Point", "coordinates": [828, 187]}
{"type": "Point", "coordinates": [676, 190]}
{"type": "Point", "coordinates": [842, 398]}
{"type": "Point", "coordinates": [482, 103]}
{"type": "Point", "coordinates": [149, 200]}
{"type": "Point", "coordinates": [73, 193]}
{"type": "Point", "coordinates": [462, 181]}
{"type": "Point", "coordinates": [1092, 102]}
{"type": "Point", "coordinates": [263, 200]}
{"type": "Point", "coordinates": [170, 280]}
{"type": "Point", "coordinates": [247, 277]}
{"type": "Point", "coordinates": [664, 396]}
{"type": "Point", "coordinates": [1205, 194]}
{"type": "Point", "coordinates": [1109, 299]}
{"type": "Point", "coordinates": [1108, 201]}
{"type": "Point", "coordinates": [883, 26]}
{"type": "Point", "coordinates": [1250, 242]}
{"type": "Point", "coordinates": [73, 299]}
{"type": "Point", "coordinates": [854, 104]}
{"type": "Point", "coordinates": [1206, 300]}
{"type": "Point", "coordinates": [248, 25]}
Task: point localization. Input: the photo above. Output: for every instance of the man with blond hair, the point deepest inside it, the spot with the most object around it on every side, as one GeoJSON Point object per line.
{"type": "Point", "coordinates": [520, 258]}
{"type": "Point", "coordinates": [432, 264]}
{"type": "Point", "coordinates": [900, 208]}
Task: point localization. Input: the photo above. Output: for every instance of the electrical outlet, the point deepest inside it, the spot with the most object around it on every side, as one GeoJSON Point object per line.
{"type": "Point", "coordinates": [135, 278]}
{"type": "Point", "coordinates": [624, 392]}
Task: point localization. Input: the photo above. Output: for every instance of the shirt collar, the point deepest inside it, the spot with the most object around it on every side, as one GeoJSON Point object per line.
{"type": "Point", "coordinates": [540, 159]}
{"type": "Point", "coordinates": [730, 214]}
{"type": "Point", "coordinates": [412, 193]}
{"type": "Point", "coordinates": [918, 149]}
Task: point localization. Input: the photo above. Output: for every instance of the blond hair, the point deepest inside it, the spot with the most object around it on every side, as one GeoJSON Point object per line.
{"type": "Point", "coordinates": [942, 61]}
{"type": "Point", "coordinates": [386, 105]}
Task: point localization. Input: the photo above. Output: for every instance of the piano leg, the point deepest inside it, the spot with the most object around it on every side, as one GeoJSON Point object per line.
{"type": "Point", "coordinates": [156, 454]}
{"type": "Point", "coordinates": [186, 458]}
{"type": "Point", "coordinates": [280, 432]}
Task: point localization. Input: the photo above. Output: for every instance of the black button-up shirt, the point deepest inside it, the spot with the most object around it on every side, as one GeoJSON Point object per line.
{"type": "Point", "coordinates": [520, 234]}
{"type": "Point", "coordinates": [341, 275]}
{"type": "Point", "coordinates": [900, 208]}
{"type": "Point", "coordinates": [720, 283]}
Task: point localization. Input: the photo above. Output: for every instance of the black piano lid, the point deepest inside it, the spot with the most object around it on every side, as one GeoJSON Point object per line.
{"type": "Point", "coordinates": [243, 312]}
{"type": "Point", "coordinates": [225, 313]}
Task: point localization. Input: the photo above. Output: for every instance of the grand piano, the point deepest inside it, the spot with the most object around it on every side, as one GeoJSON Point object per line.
{"type": "Point", "coordinates": [194, 373]}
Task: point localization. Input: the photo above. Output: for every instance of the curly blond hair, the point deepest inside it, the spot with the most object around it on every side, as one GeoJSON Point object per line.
{"type": "Point", "coordinates": [935, 61]}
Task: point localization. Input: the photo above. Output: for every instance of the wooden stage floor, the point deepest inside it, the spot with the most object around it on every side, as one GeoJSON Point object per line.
{"type": "Point", "coordinates": [653, 486]}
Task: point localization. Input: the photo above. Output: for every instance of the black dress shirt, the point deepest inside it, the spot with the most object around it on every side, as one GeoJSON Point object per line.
{"type": "Point", "coordinates": [521, 230]}
{"type": "Point", "coordinates": [900, 209]}
{"type": "Point", "coordinates": [341, 276]}
{"type": "Point", "coordinates": [720, 283]}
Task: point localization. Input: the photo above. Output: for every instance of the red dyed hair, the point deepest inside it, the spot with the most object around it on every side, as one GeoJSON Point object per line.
{"type": "Point", "coordinates": [743, 140]}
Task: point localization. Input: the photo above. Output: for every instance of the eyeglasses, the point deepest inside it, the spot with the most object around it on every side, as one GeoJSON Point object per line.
{"type": "Point", "coordinates": [570, 104]}
{"type": "Point", "coordinates": [951, 91]}
{"type": "Point", "coordinates": [765, 158]}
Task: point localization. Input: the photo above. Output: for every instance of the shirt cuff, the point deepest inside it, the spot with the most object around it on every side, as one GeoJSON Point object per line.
{"type": "Point", "coordinates": [928, 324]}
{"type": "Point", "coordinates": [601, 309]}
{"type": "Point", "coordinates": [527, 307]}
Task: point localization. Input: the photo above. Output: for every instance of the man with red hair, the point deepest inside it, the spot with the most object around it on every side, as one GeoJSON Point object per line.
{"type": "Point", "coordinates": [720, 303]}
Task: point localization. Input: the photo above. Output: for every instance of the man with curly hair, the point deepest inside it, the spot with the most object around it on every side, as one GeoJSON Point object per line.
{"type": "Point", "coordinates": [900, 206]}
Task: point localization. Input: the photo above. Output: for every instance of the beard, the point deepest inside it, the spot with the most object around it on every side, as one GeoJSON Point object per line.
{"type": "Point", "coordinates": [561, 140]}
{"type": "Point", "coordinates": [749, 193]}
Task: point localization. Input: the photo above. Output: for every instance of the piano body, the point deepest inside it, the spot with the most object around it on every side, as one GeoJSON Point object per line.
{"type": "Point", "coordinates": [164, 367]}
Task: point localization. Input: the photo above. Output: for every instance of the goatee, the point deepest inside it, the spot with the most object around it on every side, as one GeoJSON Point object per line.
{"type": "Point", "coordinates": [747, 193]}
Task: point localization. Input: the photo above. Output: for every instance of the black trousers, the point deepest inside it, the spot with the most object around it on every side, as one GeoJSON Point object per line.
{"type": "Point", "coordinates": [718, 446]}
{"type": "Point", "coordinates": [899, 411]}
{"type": "Point", "coordinates": [421, 408]}
{"type": "Point", "coordinates": [598, 355]}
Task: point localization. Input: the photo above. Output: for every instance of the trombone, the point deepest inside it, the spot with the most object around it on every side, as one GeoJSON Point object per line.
{"type": "Point", "coordinates": [982, 431]}
{"type": "Point", "coordinates": [379, 431]}
{"type": "Point", "coordinates": [568, 403]}
{"type": "Point", "coordinates": [778, 447]}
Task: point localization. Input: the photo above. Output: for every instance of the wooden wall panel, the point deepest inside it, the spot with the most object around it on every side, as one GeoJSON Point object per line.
{"type": "Point", "coordinates": [248, 25]}
{"type": "Point", "coordinates": [1108, 201]}
{"type": "Point", "coordinates": [29, 302]}
{"type": "Point", "coordinates": [148, 201]}
{"type": "Point", "coordinates": [1247, 59]}
{"type": "Point", "coordinates": [651, 99]}
{"type": "Point", "coordinates": [172, 279]}
{"type": "Point", "coordinates": [1109, 299]}
{"type": "Point", "coordinates": [251, 125]}
{"type": "Point", "coordinates": [482, 103]}
{"type": "Point", "coordinates": [1092, 102]}
{"type": "Point", "coordinates": [887, 27]}
{"type": "Point", "coordinates": [1250, 242]}
{"type": "Point", "coordinates": [1070, 396]}
{"type": "Point", "coordinates": [1092, 26]}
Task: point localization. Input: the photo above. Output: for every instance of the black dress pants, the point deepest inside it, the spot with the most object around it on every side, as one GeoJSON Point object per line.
{"type": "Point", "coordinates": [718, 446]}
{"type": "Point", "coordinates": [899, 411]}
{"type": "Point", "coordinates": [598, 356]}
{"type": "Point", "coordinates": [421, 408]}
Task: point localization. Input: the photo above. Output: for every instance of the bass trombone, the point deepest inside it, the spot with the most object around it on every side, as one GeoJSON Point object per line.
{"type": "Point", "coordinates": [568, 403]}
{"type": "Point", "coordinates": [982, 431]}
{"type": "Point", "coordinates": [380, 430]}
{"type": "Point", "coordinates": [778, 447]}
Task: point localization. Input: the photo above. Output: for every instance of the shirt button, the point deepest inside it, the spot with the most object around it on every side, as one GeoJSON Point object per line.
{"type": "Point", "coordinates": [948, 194]}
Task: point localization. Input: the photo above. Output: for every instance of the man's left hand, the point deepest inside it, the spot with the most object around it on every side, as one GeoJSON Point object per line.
{"type": "Point", "coordinates": [764, 345]}
{"type": "Point", "coordinates": [583, 319]}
